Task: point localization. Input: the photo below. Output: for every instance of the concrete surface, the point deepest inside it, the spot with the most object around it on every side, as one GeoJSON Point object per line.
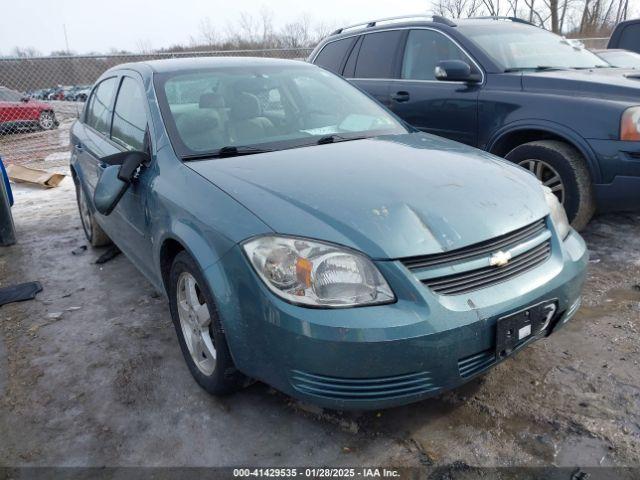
{"type": "Point", "coordinates": [91, 374]}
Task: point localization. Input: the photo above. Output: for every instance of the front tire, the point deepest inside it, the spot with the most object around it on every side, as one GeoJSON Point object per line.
{"type": "Point", "coordinates": [94, 233]}
{"type": "Point", "coordinates": [47, 121]}
{"type": "Point", "coordinates": [202, 339]}
{"type": "Point", "coordinates": [562, 168]}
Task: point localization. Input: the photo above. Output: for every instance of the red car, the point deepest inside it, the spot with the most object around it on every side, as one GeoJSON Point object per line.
{"type": "Point", "coordinates": [18, 112]}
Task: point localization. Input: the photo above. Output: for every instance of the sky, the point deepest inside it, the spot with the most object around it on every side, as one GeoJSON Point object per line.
{"type": "Point", "coordinates": [98, 26]}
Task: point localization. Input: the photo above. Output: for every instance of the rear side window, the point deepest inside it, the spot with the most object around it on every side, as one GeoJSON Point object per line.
{"type": "Point", "coordinates": [99, 109]}
{"type": "Point", "coordinates": [424, 49]}
{"type": "Point", "coordinates": [377, 55]}
{"type": "Point", "coordinates": [350, 66]}
{"type": "Point", "coordinates": [630, 37]}
{"type": "Point", "coordinates": [129, 116]}
{"type": "Point", "coordinates": [333, 54]}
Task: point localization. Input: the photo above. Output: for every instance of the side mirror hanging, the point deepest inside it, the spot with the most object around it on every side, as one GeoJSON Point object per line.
{"type": "Point", "coordinates": [116, 178]}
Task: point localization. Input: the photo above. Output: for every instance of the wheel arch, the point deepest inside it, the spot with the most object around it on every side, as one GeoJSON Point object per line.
{"type": "Point", "coordinates": [183, 237]}
{"type": "Point", "coordinates": [507, 138]}
{"type": "Point", "coordinates": [169, 249]}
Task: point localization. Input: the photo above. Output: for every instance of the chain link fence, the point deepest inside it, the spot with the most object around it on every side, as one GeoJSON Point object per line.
{"type": "Point", "coordinates": [40, 97]}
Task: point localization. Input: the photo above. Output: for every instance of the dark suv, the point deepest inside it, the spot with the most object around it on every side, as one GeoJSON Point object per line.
{"type": "Point", "coordinates": [626, 35]}
{"type": "Point", "coordinates": [508, 87]}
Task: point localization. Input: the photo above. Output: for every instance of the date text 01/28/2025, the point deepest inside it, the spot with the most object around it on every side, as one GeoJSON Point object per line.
{"type": "Point", "coordinates": [316, 472]}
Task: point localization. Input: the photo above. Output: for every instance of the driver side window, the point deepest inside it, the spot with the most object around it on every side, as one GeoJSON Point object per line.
{"type": "Point", "coordinates": [424, 49]}
{"type": "Point", "coordinates": [99, 110]}
{"type": "Point", "coordinates": [129, 116]}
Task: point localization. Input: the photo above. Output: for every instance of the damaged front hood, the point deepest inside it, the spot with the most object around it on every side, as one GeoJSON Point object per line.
{"type": "Point", "coordinates": [390, 197]}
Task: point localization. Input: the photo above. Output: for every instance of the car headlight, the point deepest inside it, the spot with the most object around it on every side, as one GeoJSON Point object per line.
{"type": "Point", "coordinates": [630, 124]}
{"type": "Point", "coordinates": [558, 215]}
{"type": "Point", "coordinates": [317, 274]}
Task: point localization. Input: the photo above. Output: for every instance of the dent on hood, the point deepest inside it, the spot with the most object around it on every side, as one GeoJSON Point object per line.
{"type": "Point", "coordinates": [431, 231]}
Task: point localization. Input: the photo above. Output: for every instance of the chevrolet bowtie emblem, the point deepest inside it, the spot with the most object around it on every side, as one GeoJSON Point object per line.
{"type": "Point", "coordinates": [500, 259]}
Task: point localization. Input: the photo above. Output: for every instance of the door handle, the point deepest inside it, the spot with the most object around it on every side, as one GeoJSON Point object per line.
{"type": "Point", "coordinates": [401, 97]}
{"type": "Point", "coordinates": [79, 146]}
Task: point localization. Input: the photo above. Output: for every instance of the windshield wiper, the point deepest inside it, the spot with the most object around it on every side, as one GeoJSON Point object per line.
{"type": "Point", "coordinates": [539, 68]}
{"type": "Point", "coordinates": [228, 151]}
{"type": "Point", "coordinates": [595, 66]}
{"type": "Point", "coordinates": [337, 138]}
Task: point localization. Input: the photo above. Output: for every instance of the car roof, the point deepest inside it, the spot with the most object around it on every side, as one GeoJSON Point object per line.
{"type": "Point", "coordinates": [198, 63]}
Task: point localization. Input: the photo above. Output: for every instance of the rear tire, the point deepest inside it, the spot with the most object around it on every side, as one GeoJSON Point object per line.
{"type": "Point", "coordinates": [561, 167]}
{"type": "Point", "coordinates": [202, 339]}
{"type": "Point", "coordinates": [94, 233]}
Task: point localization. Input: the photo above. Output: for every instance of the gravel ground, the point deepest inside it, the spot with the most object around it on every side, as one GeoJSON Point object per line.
{"type": "Point", "coordinates": [91, 374]}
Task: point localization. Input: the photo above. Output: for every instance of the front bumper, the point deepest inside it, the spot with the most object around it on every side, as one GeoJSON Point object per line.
{"type": "Point", "coordinates": [382, 356]}
{"type": "Point", "coordinates": [620, 168]}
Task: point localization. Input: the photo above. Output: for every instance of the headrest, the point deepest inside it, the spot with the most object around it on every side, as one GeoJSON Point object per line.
{"type": "Point", "coordinates": [245, 105]}
{"type": "Point", "coordinates": [211, 100]}
{"type": "Point", "coordinates": [196, 121]}
{"type": "Point", "coordinates": [250, 85]}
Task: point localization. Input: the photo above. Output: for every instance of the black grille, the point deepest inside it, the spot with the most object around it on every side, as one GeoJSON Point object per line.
{"type": "Point", "coordinates": [484, 277]}
{"type": "Point", "coordinates": [484, 248]}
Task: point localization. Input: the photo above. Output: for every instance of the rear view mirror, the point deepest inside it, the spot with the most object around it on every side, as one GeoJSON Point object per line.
{"type": "Point", "coordinates": [455, 71]}
{"type": "Point", "coordinates": [116, 178]}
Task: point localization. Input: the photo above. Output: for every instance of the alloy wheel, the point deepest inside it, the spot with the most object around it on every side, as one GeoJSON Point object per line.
{"type": "Point", "coordinates": [46, 121]}
{"type": "Point", "coordinates": [548, 175]}
{"type": "Point", "coordinates": [195, 322]}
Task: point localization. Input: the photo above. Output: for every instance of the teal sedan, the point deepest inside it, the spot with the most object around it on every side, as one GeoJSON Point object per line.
{"type": "Point", "coordinates": [308, 238]}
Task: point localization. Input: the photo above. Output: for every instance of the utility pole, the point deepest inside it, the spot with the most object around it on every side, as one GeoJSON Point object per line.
{"type": "Point", "coordinates": [66, 39]}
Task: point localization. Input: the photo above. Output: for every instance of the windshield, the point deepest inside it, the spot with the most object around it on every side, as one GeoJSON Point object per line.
{"type": "Point", "coordinates": [522, 47]}
{"type": "Point", "coordinates": [272, 108]}
{"type": "Point", "coordinates": [7, 95]}
{"type": "Point", "coordinates": [622, 59]}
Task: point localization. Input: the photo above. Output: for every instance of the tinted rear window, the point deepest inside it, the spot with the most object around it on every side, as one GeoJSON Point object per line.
{"type": "Point", "coordinates": [333, 54]}
{"type": "Point", "coordinates": [377, 55]}
{"type": "Point", "coordinates": [630, 37]}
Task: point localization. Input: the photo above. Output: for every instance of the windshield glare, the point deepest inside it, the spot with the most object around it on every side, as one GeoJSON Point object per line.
{"type": "Point", "coordinates": [270, 107]}
{"type": "Point", "coordinates": [524, 47]}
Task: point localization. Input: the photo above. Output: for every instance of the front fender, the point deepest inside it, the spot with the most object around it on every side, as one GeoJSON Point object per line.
{"type": "Point", "coordinates": [570, 136]}
{"type": "Point", "coordinates": [205, 249]}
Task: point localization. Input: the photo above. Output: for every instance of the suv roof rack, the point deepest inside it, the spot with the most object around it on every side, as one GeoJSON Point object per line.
{"type": "Point", "coordinates": [373, 23]}
{"type": "Point", "coordinates": [513, 19]}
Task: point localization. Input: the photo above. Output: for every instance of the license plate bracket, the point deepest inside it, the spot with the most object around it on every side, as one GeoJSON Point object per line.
{"type": "Point", "coordinates": [516, 328]}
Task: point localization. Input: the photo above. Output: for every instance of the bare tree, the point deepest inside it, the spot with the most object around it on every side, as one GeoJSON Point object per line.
{"type": "Point", "coordinates": [322, 30]}
{"type": "Point", "coordinates": [296, 34]}
{"type": "Point", "coordinates": [143, 46]}
{"type": "Point", "coordinates": [25, 52]}
{"type": "Point", "coordinates": [457, 8]}
{"type": "Point", "coordinates": [208, 33]}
